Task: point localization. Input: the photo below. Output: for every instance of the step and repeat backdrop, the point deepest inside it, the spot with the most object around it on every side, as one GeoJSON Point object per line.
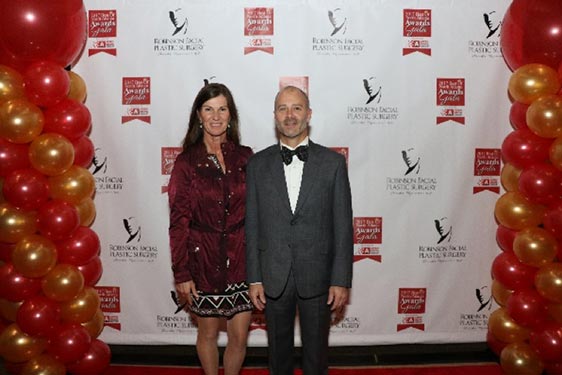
{"type": "Point", "coordinates": [413, 93]}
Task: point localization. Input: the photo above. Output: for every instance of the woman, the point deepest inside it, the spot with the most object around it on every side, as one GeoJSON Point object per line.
{"type": "Point", "coordinates": [207, 208]}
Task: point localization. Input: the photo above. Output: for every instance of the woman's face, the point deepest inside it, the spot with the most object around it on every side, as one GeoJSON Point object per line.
{"type": "Point", "coordinates": [214, 116]}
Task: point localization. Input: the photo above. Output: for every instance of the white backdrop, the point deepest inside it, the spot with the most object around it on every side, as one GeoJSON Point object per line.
{"type": "Point", "coordinates": [423, 153]}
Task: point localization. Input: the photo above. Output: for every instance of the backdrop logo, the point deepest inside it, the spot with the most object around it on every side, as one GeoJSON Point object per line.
{"type": "Point", "coordinates": [411, 304]}
{"type": "Point", "coordinates": [110, 305]}
{"type": "Point", "coordinates": [175, 323]}
{"type": "Point", "coordinates": [342, 150]}
{"type": "Point", "coordinates": [443, 249]}
{"type": "Point", "coordinates": [338, 21]}
{"type": "Point", "coordinates": [487, 170]}
{"type": "Point", "coordinates": [334, 41]}
{"type": "Point", "coordinates": [416, 31]}
{"type": "Point", "coordinates": [450, 96]}
{"type": "Point", "coordinates": [102, 31]}
{"type": "Point", "coordinates": [348, 324]}
{"type": "Point", "coordinates": [168, 157]}
{"type": "Point", "coordinates": [412, 162]}
{"type": "Point", "coordinates": [180, 305]}
{"type": "Point", "coordinates": [259, 28]}
{"type": "Point", "coordinates": [483, 305]}
{"type": "Point", "coordinates": [131, 249]}
{"type": "Point", "coordinates": [371, 112]}
{"type": "Point", "coordinates": [300, 82]}
{"type": "Point", "coordinates": [488, 45]}
{"type": "Point", "coordinates": [367, 238]}
{"type": "Point", "coordinates": [411, 181]}
{"type": "Point", "coordinates": [104, 183]}
{"type": "Point", "coordinates": [136, 99]}
{"type": "Point", "coordinates": [177, 41]}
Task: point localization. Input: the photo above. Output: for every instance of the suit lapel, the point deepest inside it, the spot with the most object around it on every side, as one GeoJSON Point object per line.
{"type": "Point", "coordinates": [278, 175]}
{"type": "Point", "coordinates": [309, 173]}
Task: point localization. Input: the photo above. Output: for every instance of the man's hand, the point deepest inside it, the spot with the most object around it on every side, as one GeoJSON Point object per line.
{"type": "Point", "coordinates": [337, 297]}
{"type": "Point", "coordinates": [257, 295]}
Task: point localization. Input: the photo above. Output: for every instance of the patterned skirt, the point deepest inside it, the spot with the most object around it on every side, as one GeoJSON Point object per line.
{"type": "Point", "coordinates": [233, 300]}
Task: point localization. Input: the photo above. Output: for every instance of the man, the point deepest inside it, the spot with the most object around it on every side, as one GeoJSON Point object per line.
{"type": "Point", "coordinates": [299, 237]}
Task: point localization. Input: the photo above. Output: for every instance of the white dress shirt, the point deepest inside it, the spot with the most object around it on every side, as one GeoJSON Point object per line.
{"type": "Point", "coordinates": [293, 175]}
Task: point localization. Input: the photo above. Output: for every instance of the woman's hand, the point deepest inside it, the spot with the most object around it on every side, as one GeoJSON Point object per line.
{"type": "Point", "coordinates": [186, 290]}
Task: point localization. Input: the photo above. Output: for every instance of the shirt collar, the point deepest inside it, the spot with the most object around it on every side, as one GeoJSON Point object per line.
{"type": "Point", "coordinates": [303, 143]}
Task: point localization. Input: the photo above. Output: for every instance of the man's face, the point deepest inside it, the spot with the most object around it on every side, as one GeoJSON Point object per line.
{"type": "Point", "coordinates": [292, 116]}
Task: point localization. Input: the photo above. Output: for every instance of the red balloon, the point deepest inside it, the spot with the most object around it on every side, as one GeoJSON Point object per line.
{"type": "Point", "coordinates": [541, 183]}
{"type": "Point", "coordinates": [57, 219]}
{"type": "Point", "coordinates": [518, 115]}
{"type": "Point", "coordinates": [531, 33]}
{"type": "Point", "coordinates": [91, 271]}
{"type": "Point", "coordinates": [69, 343]}
{"type": "Point", "coordinates": [6, 251]}
{"type": "Point", "coordinates": [26, 188]}
{"type": "Point", "coordinates": [41, 30]}
{"type": "Point", "coordinates": [69, 117]}
{"type": "Point", "coordinates": [527, 308]}
{"type": "Point", "coordinates": [523, 148]}
{"type": "Point", "coordinates": [547, 341]}
{"type": "Point", "coordinates": [511, 273]}
{"type": "Point", "coordinates": [12, 157]}
{"type": "Point", "coordinates": [46, 83]}
{"type": "Point", "coordinates": [495, 345]}
{"type": "Point", "coordinates": [95, 361]}
{"type": "Point", "coordinates": [81, 247]}
{"type": "Point", "coordinates": [505, 237]}
{"type": "Point", "coordinates": [83, 151]}
{"type": "Point", "coordinates": [15, 287]}
{"type": "Point", "coordinates": [553, 220]}
{"type": "Point", "coordinates": [38, 316]}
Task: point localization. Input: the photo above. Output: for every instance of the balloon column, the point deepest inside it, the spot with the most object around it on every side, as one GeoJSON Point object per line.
{"type": "Point", "coordinates": [50, 316]}
{"type": "Point", "coordinates": [526, 330]}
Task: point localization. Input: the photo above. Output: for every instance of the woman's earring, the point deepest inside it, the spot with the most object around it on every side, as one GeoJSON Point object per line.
{"type": "Point", "coordinates": [200, 125]}
{"type": "Point", "coordinates": [228, 126]}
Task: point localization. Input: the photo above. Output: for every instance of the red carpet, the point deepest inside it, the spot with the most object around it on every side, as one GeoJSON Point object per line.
{"type": "Point", "coordinates": [468, 369]}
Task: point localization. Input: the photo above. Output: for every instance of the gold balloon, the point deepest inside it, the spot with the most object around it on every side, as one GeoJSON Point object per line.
{"type": "Point", "coordinates": [74, 185]}
{"type": "Point", "coordinates": [535, 246]}
{"type": "Point", "coordinates": [9, 309]}
{"type": "Point", "coordinates": [87, 211]}
{"type": "Point", "coordinates": [16, 346]}
{"type": "Point", "coordinates": [51, 154]}
{"type": "Point", "coordinates": [95, 325]}
{"type": "Point", "coordinates": [81, 308]}
{"type": "Point", "coordinates": [43, 364]}
{"type": "Point", "coordinates": [510, 177]}
{"type": "Point", "coordinates": [544, 116]}
{"type": "Point", "coordinates": [500, 293]}
{"type": "Point", "coordinates": [516, 212]}
{"type": "Point", "coordinates": [15, 223]}
{"type": "Point", "coordinates": [62, 283]}
{"type": "Point", "coordinates": [504, 328]}
{"type": "Point", "coordinates": [555, 311]}
{"type": "Point", "coordinates": [77, 87]}
{"type": "Point", "coordinates": [34, 256]}
{"type": "Point", "coordinates": [21, 121]}
{"type": "Point", "coordinates": [548, 282]}
{"type": "Point", "coordinates": [530, 82]}
{"type": "Point", "coordinates": [11, 84]}
{"type": "Point", "coordinates": [555, 153]}
{"type": "Point", "coordinates": [521, 359]}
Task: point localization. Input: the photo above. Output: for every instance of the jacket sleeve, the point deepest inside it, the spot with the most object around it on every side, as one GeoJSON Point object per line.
{"type": "Point", "coordinates": [342, 269]}
{"type": "Point", "coordinates": [253, 269]}
{"type": "Point", "coordinates": [179, 198]}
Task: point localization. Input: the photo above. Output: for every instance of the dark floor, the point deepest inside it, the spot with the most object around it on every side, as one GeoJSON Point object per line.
{"type": "Point", "coordinates": [384, 355]}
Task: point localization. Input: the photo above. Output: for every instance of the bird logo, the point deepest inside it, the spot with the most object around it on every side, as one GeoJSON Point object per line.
{"type": "Point", "coordinates": [179, 304]}
{"type": "Point", "coordinates": [97, 164]}
{"type": "Point", "coordinates": [337, 25]}
{"type": "Point", "coordinates": [132, 229]}
{"type": "Point", "coordinates": [206, 81]}
{"type": "Point", "coordinates": [174, 18]}
{"type": "Point", "coordinates": [484, 298]}
{"type": "Point", "coordinates": [492, 28]}
{"type": "Point", "coordinates": [440, 229]}
{"type": "Point", "coordinates": [369, 90]}
{"type": "Point", "coordinates": [410, 166]}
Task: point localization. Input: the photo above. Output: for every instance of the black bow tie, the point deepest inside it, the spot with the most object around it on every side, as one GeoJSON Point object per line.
{"type": "Point", "coordinates": [287, 154]}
